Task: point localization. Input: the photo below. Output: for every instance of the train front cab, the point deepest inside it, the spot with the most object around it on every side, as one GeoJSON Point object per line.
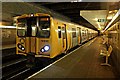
{"type": "Point", "coordinates": [33, 35]}
{"type": "Point", "coordinates": [41, 36]}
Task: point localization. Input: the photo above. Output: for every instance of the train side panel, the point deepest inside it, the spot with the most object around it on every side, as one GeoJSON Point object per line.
{"type": "Point", "coordinates": [60, 37]}
{"type": "Point", "coordinates": [56, 43]}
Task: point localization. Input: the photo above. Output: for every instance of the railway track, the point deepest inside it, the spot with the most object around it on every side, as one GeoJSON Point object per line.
{"type": "Point", "coordinates": [8, 55]}
{"type": "Point", "coordinates": [15, 66]}
{"type": "Point", "coordinates": [11, 63]}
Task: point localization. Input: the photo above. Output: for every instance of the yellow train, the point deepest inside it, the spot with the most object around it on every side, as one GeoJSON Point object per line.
{"type": "Point", "coordinates": [43, 35]}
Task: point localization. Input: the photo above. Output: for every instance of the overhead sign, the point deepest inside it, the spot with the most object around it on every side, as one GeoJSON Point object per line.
{"type": "Point", "coordinates": [102, 20]}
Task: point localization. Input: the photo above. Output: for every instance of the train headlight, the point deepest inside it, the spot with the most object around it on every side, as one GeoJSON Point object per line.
{"type": "Point", "coordinates": [42, 50]}
{"type": "Point", "coordinates": [45, 48]}
{"type": "Point", "coordinates": [21, 47]}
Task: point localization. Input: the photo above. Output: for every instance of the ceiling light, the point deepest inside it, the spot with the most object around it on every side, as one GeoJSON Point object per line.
{"type": "Point", "coordinates": [109, 17]}
{"type": "Point", "coordinates": [79, 0]}
{"type": "Point", "coordinates": [96, 19]}
{"type": "Point", "coordinates": [110, 11]}
{"type": "Point", "coordinates": [7, 26]}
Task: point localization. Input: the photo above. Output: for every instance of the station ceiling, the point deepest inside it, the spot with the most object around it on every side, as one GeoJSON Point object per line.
{"type": "Point", "coordinates": [84, 13]}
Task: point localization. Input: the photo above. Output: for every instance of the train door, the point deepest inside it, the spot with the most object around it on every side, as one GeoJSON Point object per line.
{"type": "Point", "coordinates": [64, 38]}
{"type": "Point", "coordinates": [82, 36]}
{"type": "Point", "coordinates": [79, 35]}
{"type": "Point", "coordinates": [74, 37]}
{"type": "Point", "coordinates": [59, 38]}
{"type": "Point", "coordinates": [87, 34]}
{"type": "Point", "coordinates": [31, 35]}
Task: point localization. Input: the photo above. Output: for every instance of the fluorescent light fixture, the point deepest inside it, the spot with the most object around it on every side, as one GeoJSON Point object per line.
{"type": "Point", "coordinates": [76, 1]}
{"type": "Point", "coordinates": [21, 28]}
{"type": "Point", "coordinates": [79, 0]}
{"type": "Point", "coordinates": [7, 26]}
{"type": "Point", "coordinates": [116, 15]}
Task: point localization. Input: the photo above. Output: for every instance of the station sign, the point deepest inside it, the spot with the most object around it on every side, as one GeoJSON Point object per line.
{"type": "Point", "coordinates": [102, 20]}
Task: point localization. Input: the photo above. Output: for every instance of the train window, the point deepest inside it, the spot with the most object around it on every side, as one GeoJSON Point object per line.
{"type": "Point", "coordinates": [118, 27]}
{"type": "Point", "coordinates": [31, 26]}
{"type": "Point", "coordinates": [63, 32]}
{"type": "Point", "coordinates": [21, 32]}
{"type": "Point", "coordinates": [21, 27]}
{"type": "Point", "coordinates": [44, 27]}
{"type": "Point", "coordinates": [83, 32]}
{"type": "Point", "coordinates": [33, 30]}
{"type": "Point", "coordinates": [59, 31]}
{"type": "Point", "coordinates": [27, 26]}
{"type": "Point", "coordinates": [73, 32]}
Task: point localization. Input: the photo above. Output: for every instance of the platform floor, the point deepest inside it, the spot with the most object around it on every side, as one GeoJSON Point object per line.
{"type": "Point", "coordinates": [81, 63]}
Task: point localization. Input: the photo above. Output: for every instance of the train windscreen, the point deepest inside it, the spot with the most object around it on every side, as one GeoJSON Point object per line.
{"type": "Point", "coordinates": [44, 27]}
{"type": "Point", "coordinates": [21, 27]}
{"type": "Point", "coordinates": [29, 27]}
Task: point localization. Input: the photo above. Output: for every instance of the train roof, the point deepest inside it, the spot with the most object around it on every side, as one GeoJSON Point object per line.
{"type": "Point", "coordinates": [54, 15]}
{"type": "Point", "coordinates": [32, 14]}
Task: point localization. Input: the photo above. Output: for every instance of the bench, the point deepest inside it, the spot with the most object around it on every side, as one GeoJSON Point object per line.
{"type": "Point", "coordinates": [104, 40]}
{"type": "Point", "coordinates": [106, 54]}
